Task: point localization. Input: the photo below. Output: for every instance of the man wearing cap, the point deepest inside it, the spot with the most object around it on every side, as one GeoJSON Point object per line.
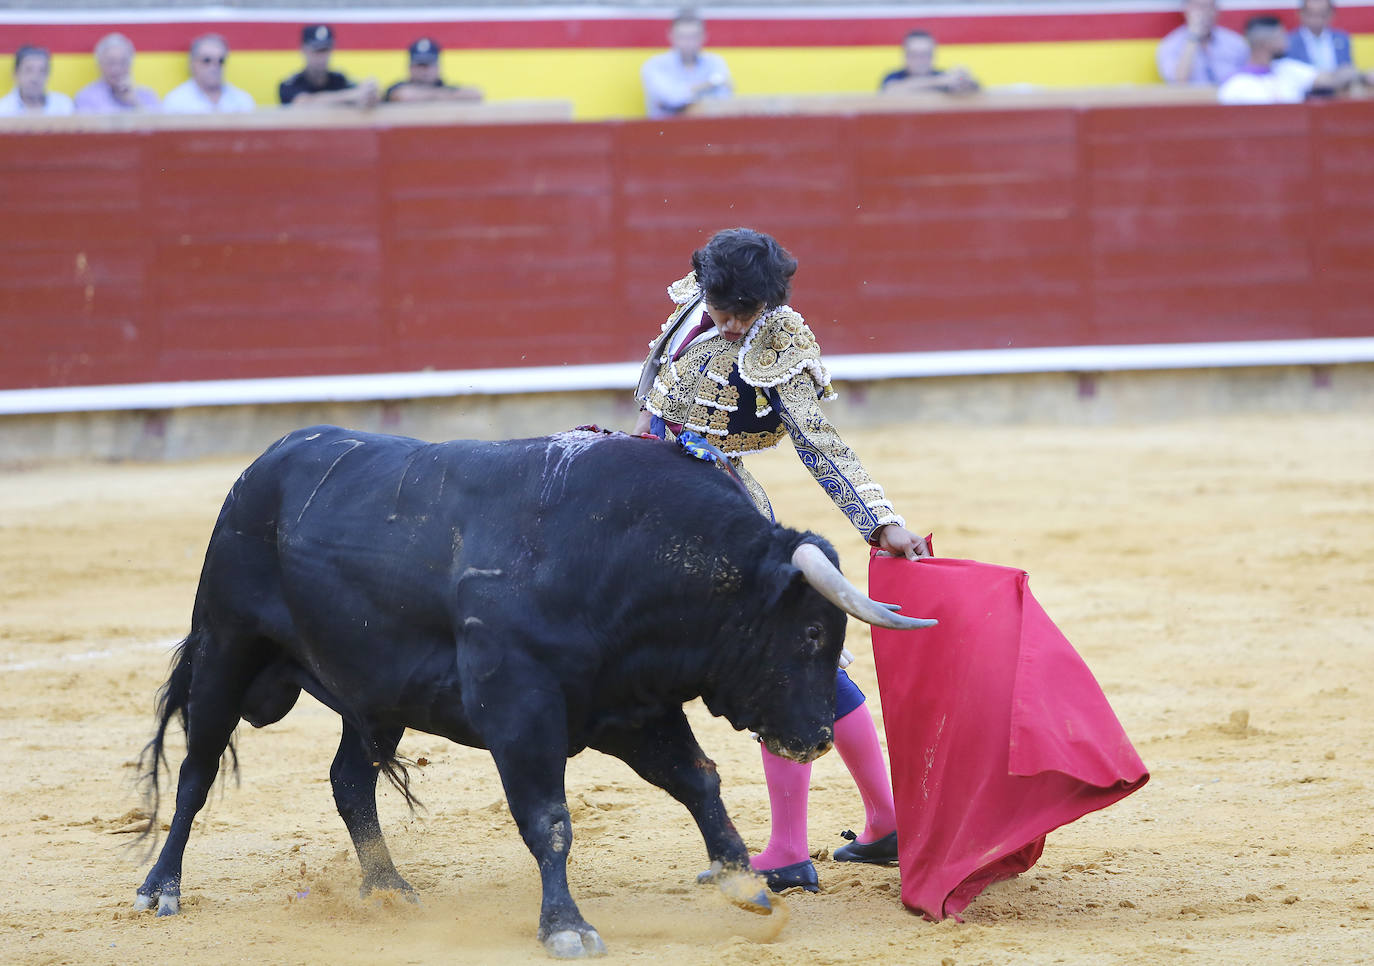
{"type": "Point", "coordinates": [317, 85]}
{"type": "Point", "coordinates": [424, 83]}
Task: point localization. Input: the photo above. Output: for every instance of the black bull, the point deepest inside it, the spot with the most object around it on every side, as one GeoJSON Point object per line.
{"type": "Point", "coordinates": [531, 597]}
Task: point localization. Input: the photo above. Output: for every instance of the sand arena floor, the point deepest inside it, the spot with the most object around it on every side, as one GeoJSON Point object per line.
{"type": "Point", "coordinates": [1218, 577]}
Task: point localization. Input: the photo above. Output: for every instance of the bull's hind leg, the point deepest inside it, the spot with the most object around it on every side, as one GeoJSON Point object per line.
{"type": "Point", "coordinates": [665, 753]}
{"type": "Point", "coordinates": [218, 682]}
{"type": "Point", "coordinates": [354, 777]}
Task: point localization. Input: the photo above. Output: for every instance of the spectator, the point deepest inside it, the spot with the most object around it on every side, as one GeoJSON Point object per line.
{"type": "Point", "coordinates": [31, 94]}
{"type": "Point", "coordinates": [919, 74]}
{"type": "Point", "coordinates": [116, 90]}
{"type": "Point", "coordinates": [678, 78]}
{"type": "Point", "coordinates": [424, 82]}
{"type": "Point", "coordinates": [1315, 42]}
{"type": "Point", "coordinates": [207, 92]}
{"type": "Point", "coordinates": [317, 85]}
{"type": "Point", "coordinates": [1269, 77]}
{"type": "Point", "coordinates": [1200, 52]}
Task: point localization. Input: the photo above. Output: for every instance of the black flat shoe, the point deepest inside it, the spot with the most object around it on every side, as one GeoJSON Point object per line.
{"type": "Point", "coordinates": [798, 875]}
{"type": "Point", "coordinates": [881, 852]}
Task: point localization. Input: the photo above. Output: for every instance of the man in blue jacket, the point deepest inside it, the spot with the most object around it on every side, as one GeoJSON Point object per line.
{"type": "Point", "coordinates": [1315, 42]}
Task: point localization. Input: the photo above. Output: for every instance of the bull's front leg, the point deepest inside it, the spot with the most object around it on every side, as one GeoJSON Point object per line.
{"type": "Point", "coordinates": [526, 730]}
{"type": "Point", "coordinates": [665, 752]}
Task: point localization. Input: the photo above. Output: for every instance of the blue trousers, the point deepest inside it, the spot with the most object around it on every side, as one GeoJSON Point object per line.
{"type": "Point", "coordinates": [847, 694]}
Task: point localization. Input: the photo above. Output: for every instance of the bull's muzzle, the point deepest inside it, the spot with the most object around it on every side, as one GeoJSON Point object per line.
{"type": "Point", "coordinates": [802, 756]}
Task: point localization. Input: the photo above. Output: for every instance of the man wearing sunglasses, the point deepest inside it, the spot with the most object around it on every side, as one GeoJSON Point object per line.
{"type": "Point", "coordinates": [207, 92]}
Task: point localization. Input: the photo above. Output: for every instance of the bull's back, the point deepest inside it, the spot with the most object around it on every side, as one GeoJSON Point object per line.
{"type": "Point", "coordinates": [389, 524]}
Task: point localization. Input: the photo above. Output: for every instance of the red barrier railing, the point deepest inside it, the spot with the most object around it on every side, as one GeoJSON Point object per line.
{"type": "Point", "coordinates": [196, 254]}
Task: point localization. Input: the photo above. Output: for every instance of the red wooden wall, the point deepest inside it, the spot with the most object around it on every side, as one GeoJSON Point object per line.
{"type": "Point", "coordinates": [169, 255]}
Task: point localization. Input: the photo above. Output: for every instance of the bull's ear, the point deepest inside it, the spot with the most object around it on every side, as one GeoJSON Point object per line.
{"type": "Point", "coordinates": [781, 579]}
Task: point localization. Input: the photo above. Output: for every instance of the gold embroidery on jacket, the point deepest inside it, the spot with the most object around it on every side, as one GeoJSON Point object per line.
{"type": "Point", "coordinates": [754, 488]}
{"type": "Point", "coordinates": [780, 346]}
{"type": "Point", "coordinates": [703, 401]}
{"type": "Point", "coordinates": [684, 290]}
{"type": "Point", "coordinates": [830, 460]}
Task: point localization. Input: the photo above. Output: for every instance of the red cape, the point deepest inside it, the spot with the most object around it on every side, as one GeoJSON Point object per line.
{"type": "Point", "coordinates": [996, 729]}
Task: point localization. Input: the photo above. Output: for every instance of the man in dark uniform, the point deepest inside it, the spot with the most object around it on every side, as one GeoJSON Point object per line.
{"type": "Point", "coordinates": [317, 85]}
{"type": "Point", "coordinates": [919, 74]}
{"type": "Point", "coordinates": [424, 82]}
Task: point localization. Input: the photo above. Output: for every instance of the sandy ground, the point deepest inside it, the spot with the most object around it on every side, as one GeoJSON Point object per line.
{"type": "Point", "coordinates": [1218, 578]}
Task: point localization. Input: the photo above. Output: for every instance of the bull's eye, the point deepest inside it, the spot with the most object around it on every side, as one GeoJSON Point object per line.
{"type": "Point", "coordinates": [814, 635]}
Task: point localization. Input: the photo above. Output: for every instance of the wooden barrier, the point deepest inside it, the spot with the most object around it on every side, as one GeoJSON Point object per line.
{"type": "Point", "coordinates": [1014, 97]}
{"type": "Point", "coordinates": [237, 252]}
{"type": "Point", "coordinates": [385, 114]}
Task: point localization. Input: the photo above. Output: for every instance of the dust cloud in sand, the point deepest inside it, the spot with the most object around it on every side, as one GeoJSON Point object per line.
{"type": "Point", "coordinates": [1218, 577]}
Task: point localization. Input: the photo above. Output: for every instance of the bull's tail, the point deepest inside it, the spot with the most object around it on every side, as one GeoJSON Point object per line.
{"type": "Point", "coordinates": [384, 758]}
{"type": "Point", "coordinates": [173, 698]}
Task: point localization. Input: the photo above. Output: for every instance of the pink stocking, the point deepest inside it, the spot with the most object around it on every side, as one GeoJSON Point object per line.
{"type": "Point", "coordinates": [788, 784]}
{"type": "Point", "coordinates": [856, 739]}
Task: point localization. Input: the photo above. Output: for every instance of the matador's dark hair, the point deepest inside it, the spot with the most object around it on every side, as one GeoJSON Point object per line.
{"type": "Point", "coordinates": [742, 271]}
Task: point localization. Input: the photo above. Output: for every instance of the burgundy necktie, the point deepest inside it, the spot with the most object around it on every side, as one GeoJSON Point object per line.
{"type": "Point", "coordinates": [699, 328]}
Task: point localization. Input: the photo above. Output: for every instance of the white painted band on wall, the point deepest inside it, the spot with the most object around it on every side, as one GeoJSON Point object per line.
{"type": "Point", "coordinates": [623, 375]}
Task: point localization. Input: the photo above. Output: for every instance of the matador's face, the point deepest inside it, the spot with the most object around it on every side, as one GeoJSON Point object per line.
{"type": "Point", "coordinates": [731, 322]}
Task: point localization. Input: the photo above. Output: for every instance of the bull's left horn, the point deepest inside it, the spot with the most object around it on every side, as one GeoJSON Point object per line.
{"type": "Point", "coordinates": [821, 574]}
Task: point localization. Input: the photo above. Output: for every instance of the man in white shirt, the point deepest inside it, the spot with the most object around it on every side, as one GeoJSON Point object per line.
{"type": "Point", "coordinates": [1269, 77]}
{"type": "Point", "coordinates": [207, 92]}
{"type": "Point", "coordinates": [678, 78]}
{"type": "Point", "coordinates": [31, 94]}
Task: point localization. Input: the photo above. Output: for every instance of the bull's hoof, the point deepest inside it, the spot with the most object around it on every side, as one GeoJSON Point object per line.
{"type": "Point", "coordinates": [571, 944]}
{"type": "Point", "coordinates": [387, 888]}
{"type": "Point", "coordinates": [167, 904]}
{"type": "Point", "coordinates": [746, 890]}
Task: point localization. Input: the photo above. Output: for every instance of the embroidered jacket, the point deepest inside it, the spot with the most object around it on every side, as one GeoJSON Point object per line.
{"type": "Point", "coordinates": [746, 395]}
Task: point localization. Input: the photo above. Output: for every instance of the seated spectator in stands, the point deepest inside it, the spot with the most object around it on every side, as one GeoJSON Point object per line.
{"type": "Point", "coordinates": [1269, 77]}
{"type": "Point", "coordinates": [1200, 52]}
{"type": "Point", "coordinates": [207, 92]}
{"type": "Point", "coordinates": [31, 94]}
{"type": "Point", "coordinates": [1317, 43]}
{"type": "Point", "coordinates": [116, 90]}
{"type": "Point", "coordinates": [424, 82]}
{"type": "Point", "coordinates": [317, 85]}
{"type": "Point", "coordinates": [678, 78]}
{"type": "Point", "coordinates": [919, 74]}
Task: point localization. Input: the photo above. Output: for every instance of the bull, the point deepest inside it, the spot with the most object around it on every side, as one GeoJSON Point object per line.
{"type": "Point", "coordinates": [531, 597]}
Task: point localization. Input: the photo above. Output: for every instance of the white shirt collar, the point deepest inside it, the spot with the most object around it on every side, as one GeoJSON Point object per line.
{"type": "Point", "coordinates": [1321, 48]}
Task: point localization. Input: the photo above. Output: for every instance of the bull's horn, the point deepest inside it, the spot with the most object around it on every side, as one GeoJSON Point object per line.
{"type": "Point", "coordinates": [821, 574]}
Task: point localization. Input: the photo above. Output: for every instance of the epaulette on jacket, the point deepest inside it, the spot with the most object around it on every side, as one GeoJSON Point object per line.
{"type": "Point", "coordinates": [685, 289]}
{"type": "Point", "coordinates": [779, 347]}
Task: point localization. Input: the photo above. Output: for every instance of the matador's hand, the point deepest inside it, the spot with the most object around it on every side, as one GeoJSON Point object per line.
{"type": "Point", "coordinates": [901, 542]}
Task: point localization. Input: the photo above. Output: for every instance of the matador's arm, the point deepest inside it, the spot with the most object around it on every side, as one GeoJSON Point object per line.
{"type": "Point", "coordinates": [834, 465]}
